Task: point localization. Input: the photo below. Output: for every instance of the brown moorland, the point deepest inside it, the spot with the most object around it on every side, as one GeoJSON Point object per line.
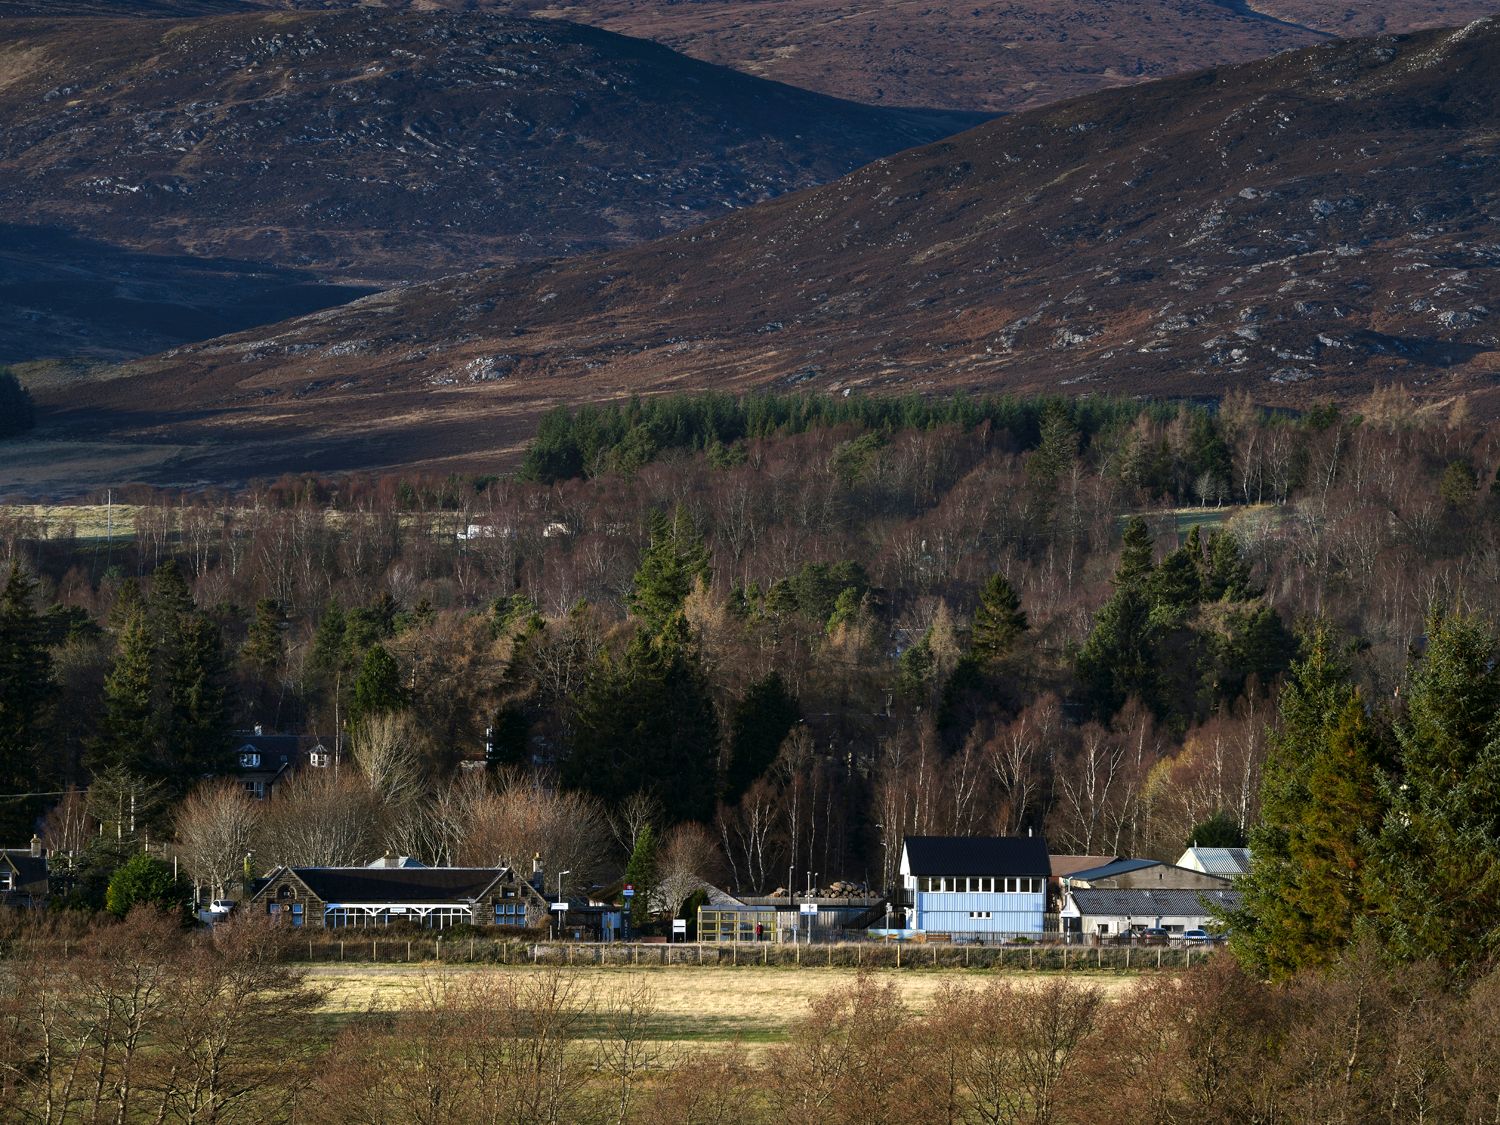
{"type": "Point", "coordinates": [167, 181]}
{"type": "Point", "coordinates": [1310, 225]}
{"type": "Point", "coordinates": [980, 54]}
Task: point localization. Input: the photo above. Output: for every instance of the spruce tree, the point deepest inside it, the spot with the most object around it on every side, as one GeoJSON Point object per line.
{"type": "Point", "coordinates": [758, 726]}
{"type": "Point", "coordinates": [1438, 873]}
{"type": "Point", "coordinates": [1117, 661]}
{"type": "Point", "coordinates": [26, 689]}
{"type": "Point", "coordinates": [648, 719]}
{"type": "Point", "coordinates": [1276, 930]}
{"type": "Point", "coordinates": [1136, 553]}
{"type": "Point", "coordinates": [999, 620]}
{"type": "Point", "coordinates": [675, 560]}
{"type": "Point", "coordinates": [128, 736]}
{"type": "Point", "coordinates": [261, 651]}
{"type": "Point", "coordinates": [640, 874]}
{"type": "Point", "coordinates": [197, 712]}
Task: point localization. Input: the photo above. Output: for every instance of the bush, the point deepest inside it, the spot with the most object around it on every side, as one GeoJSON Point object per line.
{"type": "Point", "coordinates": [144, 879]}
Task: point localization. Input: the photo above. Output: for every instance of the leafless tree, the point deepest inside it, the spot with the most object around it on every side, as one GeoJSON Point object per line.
{"type": "Point", "coordinates": [689, 859]}
{"type": "Point", "coordinates": [216, 830]}
{"type": "Point", "coordinates": [386, 750]}
{"type": "Point", "coordinates": [320, 818]}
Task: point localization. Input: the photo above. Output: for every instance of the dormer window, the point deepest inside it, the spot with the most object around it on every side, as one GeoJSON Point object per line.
{"type": "Point", "coordinates": [249, 759]}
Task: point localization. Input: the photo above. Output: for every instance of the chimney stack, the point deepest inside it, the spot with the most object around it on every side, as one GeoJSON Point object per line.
{"type": "Point", "coordinates": [36, 846]}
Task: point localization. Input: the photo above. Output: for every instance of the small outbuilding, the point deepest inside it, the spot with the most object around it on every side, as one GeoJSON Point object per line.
{"type": "Point", "coordinates": [1107, 914]}
{"type": "Point", "coordinates": [1228, 863]}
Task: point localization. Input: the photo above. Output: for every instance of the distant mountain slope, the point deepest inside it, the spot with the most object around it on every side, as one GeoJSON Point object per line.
{"type": "Point", "coordinates": [361, 145]}
{"type": "Point", "coordinates": [61, 9]}
{"type": "Point", "coordinates": [999, 55]}
{"type": "Point", "coordinates": [1303, 226]}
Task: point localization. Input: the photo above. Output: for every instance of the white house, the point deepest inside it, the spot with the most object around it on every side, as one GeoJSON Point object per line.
{"type": "Point", "coordinates": [975, 885]}
{"type": "Point", "coordinates": [1107, 913]}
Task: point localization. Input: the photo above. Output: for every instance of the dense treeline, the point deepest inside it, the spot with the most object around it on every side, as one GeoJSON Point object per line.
{"type": "Point", "coordinates": [624, 437]}
{"type": "Point", "coordinates": [807, 643]}
{"type": "Point", "coordinates": [139, 1020]}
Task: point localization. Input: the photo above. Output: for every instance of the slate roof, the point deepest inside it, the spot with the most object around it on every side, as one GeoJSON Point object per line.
{"type": "Point", "coordinates": [30, 869]}
{"type": "Point", "coordinates": [978, 855]}
{"type": "Point", "coordinates": [1229, 862]}
{"type": "Point", "coordinates": [1118, 867]}
{"type": "Point", "coordinates": [398, 884]}
{"type": "Point", "coordinates": [1151, 903]}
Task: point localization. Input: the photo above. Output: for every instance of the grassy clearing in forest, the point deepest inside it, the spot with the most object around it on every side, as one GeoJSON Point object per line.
{"type": "Point", "coordinates": [693, 1004]}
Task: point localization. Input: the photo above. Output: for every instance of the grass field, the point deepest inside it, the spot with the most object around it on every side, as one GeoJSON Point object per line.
{"type": "Point", "coordinates": [693, 1005]}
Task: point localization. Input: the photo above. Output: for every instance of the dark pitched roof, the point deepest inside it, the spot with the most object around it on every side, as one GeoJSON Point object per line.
{"type": "Point", "coordinates": [1151, 903]}
{"type": "Point", "coordinates": [398, 884]}
{"type": "Point", "coordinates": [978, 855]}
{"type": "Point", "coordinates": [30, 869]}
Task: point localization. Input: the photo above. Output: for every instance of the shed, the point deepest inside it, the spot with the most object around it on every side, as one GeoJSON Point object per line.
{"type": "Point", "coordinates": [1107, 913]}
{"type": "Point", "coordinates": [976, 885]}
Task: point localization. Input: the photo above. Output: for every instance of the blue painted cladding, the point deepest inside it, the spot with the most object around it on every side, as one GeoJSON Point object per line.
{"type": "Point", "coordinates": [948, 912]}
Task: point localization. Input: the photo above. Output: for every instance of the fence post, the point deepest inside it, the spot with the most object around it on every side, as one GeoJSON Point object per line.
{"type": "Point", "coordinates": [1100, 950]}
{"type": "Point", "coordinates": [1158, 956]}
{"type": "Point", "coordinates": [408, 951]}
{"type": "Point", "coordinates": [341, 951]}
{"type": "Point", "coordinates": [1127, 956]}
{"type": "Point", "coordinates": [1065, 958]}
{"type": "Point", "coordinates": [898, 953]}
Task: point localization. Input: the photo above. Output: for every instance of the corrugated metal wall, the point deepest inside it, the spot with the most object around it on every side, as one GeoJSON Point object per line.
{"type": "Point", "coordinates": [952, 912]}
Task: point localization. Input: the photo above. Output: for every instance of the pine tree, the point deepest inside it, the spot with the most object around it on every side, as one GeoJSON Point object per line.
{"type": "Point", "coordinates": [26, 689]}
{"type": "Point", "coordinates": [377, 687]}
{"type": "Point", "coordinates": [999, 620]}
{"type": "Point", "coordinates": [128, 737]}
{"type": "Point", "coordinates": [1438, 874]}
{"type": "Point", "coordinates": [675, 560]}
{"type": "Point", "coordinates": [758, 726]}
{"type": "Point", "coordinates": [1173, 587]}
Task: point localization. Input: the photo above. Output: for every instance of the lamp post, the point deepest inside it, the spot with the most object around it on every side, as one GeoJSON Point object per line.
{"type": "Point", "coordinates": [561, 914]}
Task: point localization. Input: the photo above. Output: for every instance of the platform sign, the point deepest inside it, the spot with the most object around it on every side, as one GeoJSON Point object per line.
{"type": "Point", "coordinates": [560, 906]}
{"type": "Point", "coordinates": [679, 927]}
{"type": "Point", "coordinates": [629, 891]}
{"type": "Point", "coordinates": [809, 908]}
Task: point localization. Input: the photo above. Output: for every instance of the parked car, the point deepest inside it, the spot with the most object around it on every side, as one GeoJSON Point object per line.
{"type": "Point", "coordinates": [1197, 937]}
{"type": "Point", "coordinates": [1153, 935]}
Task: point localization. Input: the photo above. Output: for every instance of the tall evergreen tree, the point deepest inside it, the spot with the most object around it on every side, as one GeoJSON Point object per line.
{"type": "Point", "coordinates": [377, 688]}
{"type": "Point", "coordinates": [261, 651]}
{"type": "Point", "coordinates": [197, 712]}
{"type": "Point", "coordinates": [640, 875]}
{"type": "Point", "coordinates": [675, 560]}
{"type": "Point", "coordinates": [758, 726]}
{"type": "Point", "coordinates": [648, 718]}
{"type": "Point", "coordinates": [1283, 923]}
{"type": "Point", "coordinates": [26, 689]}
{"type": "Point", "coordinates": [127, 738]}
{"type": "Point", "coordinates": [1116, 662]}
{"type": "Point", "coordinates": [1136, 553]}
{"type": "Point", "coordinates": [999, 620]}
{"type": "Point", "coordinates": [1438, 875]}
